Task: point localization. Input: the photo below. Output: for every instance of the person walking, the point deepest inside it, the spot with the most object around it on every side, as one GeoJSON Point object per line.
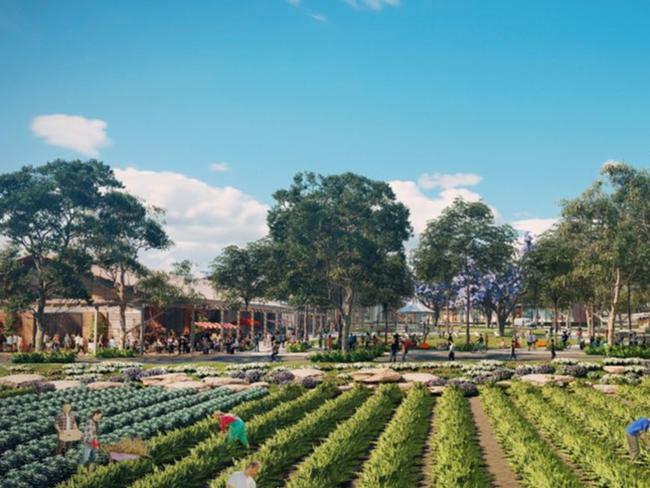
{"type": "Point", "coordinates": [513, 351]}
{"type": "Point", "coordinates": [637, 429]}
{"type": "Point", "coordinates": [90, 440]}
{"type": "Point", "coordinates": [275, 350]}
{"type": "Point", "coordinates": [235, 426]}
{"type": "Point", "coordinates": [257, 342]}
{"type": "Point", "coordinates": [405, 348]}
{"type": "Point", "coordinates": [394, 348]}
{"type": "Point", "coordinates": [246, 478]}
{"type": "Point", "coordinates": [553, 348]}
{"type": "Point", "coordinates": [64, 424]}
{"type": "Point", "coordinates": [450, 348]}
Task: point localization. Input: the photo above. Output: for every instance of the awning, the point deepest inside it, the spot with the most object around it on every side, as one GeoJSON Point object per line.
{"type": "Point", "coordinates": [414, 307]}
{"type": "Point", "coordinates": [215, 325]}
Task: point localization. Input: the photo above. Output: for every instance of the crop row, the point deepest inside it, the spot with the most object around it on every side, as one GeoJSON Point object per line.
{"type": "Point", "coordinates": [334, 462]}
{"type": "Point", "coordinates": [394, 462]}
{"type": "Point", "coordinates": [606, 466]}
{"type": "Point", "coordinates": [216, 453]}
{"type": "Point", "coordinates": [532, 458]}
{"type": "Point", "coordinates": [457, 460]}
{"type": "Point", "coordinates": [54, 469]}
{"type": "Point", "coordinates": [169, 446]}
{"type": "Point", "coordinates": [289, 445]}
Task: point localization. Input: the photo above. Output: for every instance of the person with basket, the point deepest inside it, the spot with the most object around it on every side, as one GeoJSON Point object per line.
{"type": "Point", "coordinates": [66, 428]}
{"type": "Point", "coordinates": [90, 441]}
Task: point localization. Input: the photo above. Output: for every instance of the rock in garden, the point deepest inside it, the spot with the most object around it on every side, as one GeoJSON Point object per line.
{"type": "Point", "coordinates": [378, 376]}
{"type": "Point", "coordinates": [65, 384]}
{"type": "Point", "coordinates": [614, 369]}
{"type": "Point", "coordinates": [259, 384]}
{"type": "Point", "coordinates": [15, 380]}
{"type": "Point", "coordinates": [102, 385]}
{"type": "Point", "coordinates": [607, 389]}
{"type": "Point", "coordinates": [181, 385]}
{"type": "Point", "coordinates": [215, 381]}
{"type": "Point", "coordinates": [237, 388]}
{"type": "Point", "coordinates": [537, 379]}
{"type": "Point", "coordinates": [405, 386]}
{"type": "Point", "coordinates": [504, 383]}
{"type": "Point", "coordinates": [301, 373]}
{"type": "Point", "coordinates": [163, 379]}
{"type": "Point", "coordinates": [419, 377]}
{"type": "Point", "coordinates": [562, 379]}
{"type": "Point", "coordinates": [437, 390]}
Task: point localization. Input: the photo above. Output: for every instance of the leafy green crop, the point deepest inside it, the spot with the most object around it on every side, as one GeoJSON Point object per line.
{"type": "Point", "coordinates": [335, 461]}
{"type": "Point", "coordinates": [216, 453]}
{"type": "Point", "coordinates": [532, 458]}
{"type": "Point", "coordinates": [394, 461]}
{"type": "Point", "coordinates": [457, 460]}
{"type": "Point", "coordinates": [290, 444]}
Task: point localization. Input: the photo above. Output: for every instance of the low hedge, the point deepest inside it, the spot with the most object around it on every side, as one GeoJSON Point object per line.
{"type": "Point", "coordinates": [619, 351]}
{"type": "Point", "coordinates": [44, 357]}
{"type": "Point", "coordinates": [116, 353]}
{"type": "Point", "coordinates": [358, 355]}
{"type": "Point", "coordinates": [298, 347]}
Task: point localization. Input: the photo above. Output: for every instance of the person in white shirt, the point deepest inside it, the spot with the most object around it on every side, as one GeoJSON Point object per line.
{"type": "Point", "coordinates": [244, 479]}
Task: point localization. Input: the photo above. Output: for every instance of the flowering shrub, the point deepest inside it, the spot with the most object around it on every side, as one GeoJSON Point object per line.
{"type": "Point", "coordinates": [254, 375]}
{"type": "Point", "coordinates": [237, 373]}
{"type": "Point", "coordinates": [573, 370]}
{"type": "Point", "coordinates": [309, 382]}
{"type": "Point", "coordinates": [280, 376]}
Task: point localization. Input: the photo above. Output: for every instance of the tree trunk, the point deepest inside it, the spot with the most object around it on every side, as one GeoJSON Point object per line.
{"type": "Point", "coordinates": [39, 319]}
{"type": "Point", "coordinates": [611, 320]}
{"type": "Point", "coordinates": [386, 323]}
{"type": "Point", "coordinates": [121, 298]}
{"type": "Point", "coordinates": [346, 316]}
{"type": "Point", "coordinates": [629, 306]}
{"type": "Point", "coordinates": [556, 313]}
{"type": "Point", "coordinates": [192, 327]}
{"type": "Point", "coordinates": [467, 319]}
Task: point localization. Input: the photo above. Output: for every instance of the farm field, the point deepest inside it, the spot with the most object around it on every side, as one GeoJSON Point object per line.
{"type": "Point", "coordinates": [482, 434]}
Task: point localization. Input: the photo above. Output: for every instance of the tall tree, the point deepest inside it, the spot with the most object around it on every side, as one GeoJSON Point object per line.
{"type": "Point", "coordinates": [610, 226]}
{"type": "Point", "coordinates": [464, 240]}
{"type": "Point", "coordinates": [47, 213]}
{"type": "Point", "coordinates": [341, 227]}
{"type": "Point", "coordinates": [125, 228]}
{"type": "Point", "coordinates": [241, 272]}
{"type": "Point", "coordinates": [435, 296]}
{"type": "Point", "coordinates": [188, 293]}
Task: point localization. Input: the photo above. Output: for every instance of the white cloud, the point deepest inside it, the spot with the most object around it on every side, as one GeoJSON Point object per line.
{"type": "Point", "coordinates": [319, 17]}
{"type": "Point", "coordinates": [445, 181]}
{"type": "Point", "coordinates": [201, 219]}
{"type": "Point", "coordinates": [373, 4]}
{"type": "Point", "coordinates": [534, 226]}
{"type": "Point", "coordinates": [423, 207]}
{"type": "Point", "coordinates": [74, 132]}
{"type": "Point", "coordinates": [219, 167]}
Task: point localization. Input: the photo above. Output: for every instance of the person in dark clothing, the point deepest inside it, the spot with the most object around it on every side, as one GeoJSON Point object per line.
{"type": "Point", "coordinates": [394, 347]}
{"type": "Point", "coordinates": [552, 348]}
{"type": "Point", "coordinates": [513, 351]}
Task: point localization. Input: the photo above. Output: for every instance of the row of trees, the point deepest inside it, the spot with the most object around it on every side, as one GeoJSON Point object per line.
{"type": "Point", "coordinates": [335, 242]}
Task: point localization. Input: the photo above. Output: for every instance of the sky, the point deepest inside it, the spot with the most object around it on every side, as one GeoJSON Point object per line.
{"type": "Point", "coordinates": [206, 108]}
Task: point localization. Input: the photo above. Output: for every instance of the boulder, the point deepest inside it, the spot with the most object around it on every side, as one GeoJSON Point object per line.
{"type": "Point", "coordinates": [259, 384]}
{"type": "Point", "coordinates": [215, 381]}
{"type": "Point", "coordinates": [181, 385]}
{"type": "Point", "coordinates": [563, 379]}
{"type": "Point", "coordinates": [607, 389]}
{"type": "Point", "coordinates": [301, 373]}
{"type": "Point", "coordinates": [102, 385]}
{"type": "Point", "coordinates": [347, 387]}
{"type": "Point", "coordinates": [504, 383]}
{"type": "Point", "coordinates": [65, 384]}
{"type": "Point", "coordinates": [15, 380]}
{"type": "Point", "coordinates": [237, 388]}
{"type": "Point", "coordinates": [163, 379]}
{"type": "Point", "coordinates": [437, 390]}
{"type": "Point", "coordinates": [420, 377]}
{"type": "Point", "coordinates": [405, 386]}
{"type": "Point", "coordinates": [614, 369]}
{"type": "Point", "coordinates": [544, 379]}
{"type": "Point", "coordinates": [376, 376]}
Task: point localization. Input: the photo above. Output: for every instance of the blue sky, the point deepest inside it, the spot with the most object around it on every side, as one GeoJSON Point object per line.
{"type": "Point", "coordinates": [525, 99]}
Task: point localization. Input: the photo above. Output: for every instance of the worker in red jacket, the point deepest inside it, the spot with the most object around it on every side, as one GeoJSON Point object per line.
{"type": "Point", "coordinates": [236, 427]}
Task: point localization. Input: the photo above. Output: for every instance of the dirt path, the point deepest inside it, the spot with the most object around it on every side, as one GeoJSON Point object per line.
{"type": "Point", "coordinates": [495, 458]}
{"type": "Point", "coordinates": [427, 458]}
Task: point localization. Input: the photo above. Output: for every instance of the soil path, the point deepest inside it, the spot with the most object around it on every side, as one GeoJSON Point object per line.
{"type": "Point", "coordinates": [495, 458]}
{"type": "Point", "coordinates": [427, 455]}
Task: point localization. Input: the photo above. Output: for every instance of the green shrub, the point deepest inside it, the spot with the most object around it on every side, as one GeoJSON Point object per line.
{"type": "Point", "coordinates": [358, 355]}
{"type": "Point", "coordinates": [280, 453]}
{"type": "Point", "coordinates": [394, 463]}
{"type": "Point", "coordinates": [457, 460]}
{"type": "Point", "coordinates": [7, 391]}
{"type": "Point", "coordinates": [116, 353]}
{"type": "Point", "coordinates": [298, 347]}
{"type": "Point", "coordinates": [44, 357]}
{"type": "Point", "coordinates": [335, 461]}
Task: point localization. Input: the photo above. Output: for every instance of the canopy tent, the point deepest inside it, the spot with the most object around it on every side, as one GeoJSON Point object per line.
{"type": "Point", "coordinates": [246, 321]}
{"type": "Point", "coordinates": [214, 325]}
{"type": "Point", "coordinates": [414, 307]}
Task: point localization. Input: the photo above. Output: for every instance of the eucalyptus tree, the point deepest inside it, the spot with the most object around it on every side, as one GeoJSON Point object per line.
{"type": "Point", "coordinates": [341, 228]}
{"type": "Point", "coordinates": [610, 226]}
{"type": "Point", "coordinates": [125, 227]}
{"type": "Point", "coordinates": [464, 241]}
{"type": "Point", "coordinates": [48, 214]}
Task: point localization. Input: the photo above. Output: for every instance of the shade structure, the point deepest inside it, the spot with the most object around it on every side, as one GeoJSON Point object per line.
{"type": "Point", "coordinates": [246, 321]}
{"type": "Point", "coordinates": [414, 307]}
{"type": "Point", "coordinates": [214, 325]}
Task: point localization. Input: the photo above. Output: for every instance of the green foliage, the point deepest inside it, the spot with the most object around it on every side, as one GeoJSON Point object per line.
{"type": "Point", "coordinates": [607, 466]}
{"type": "Point", "coordinates": [171, 446]}
{"type": "Point", "coordinates": [532, 458]}
{"type": "Point", "coordinates": [619, 351]}
{"type": "Point", "coordinates": [457, 460]}
{"type": "Point", "coordinates": [115, 353]}
{"type": "Point", "coordinates": [216, 453]}
{"type": "Point", "coordinates": [298, 347]}
{"type": "Point", "coordinates": [114, 474]}
{"type": "Point", "coordinates": [280, 453]}
{"type": "Point", "coordinates": [7, 392]}
{"type": "Point", "coordinates": [358, 355]}
{"type": "Point", "coordinates": [394, 462]}
{"type": "Point", "coordinates": [334, 462]}
{"type": "Point", "coordinates": [44, 357]}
